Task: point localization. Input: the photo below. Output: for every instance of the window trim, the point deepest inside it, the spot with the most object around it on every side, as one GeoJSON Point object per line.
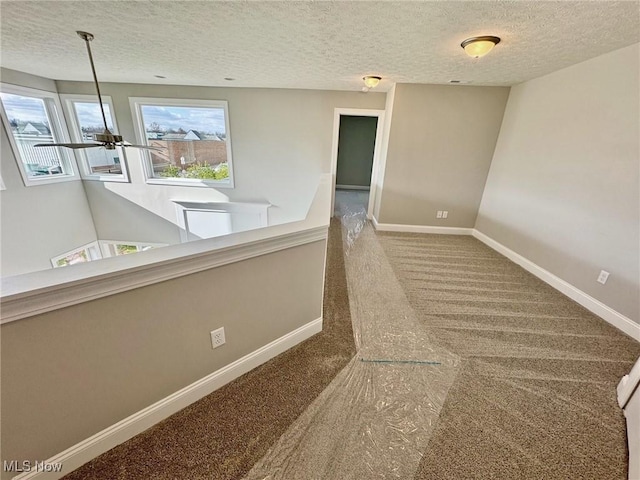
{"type": "Point", "coordinates": [106, 253]}
{"type": "Point", "coordinates": [138, 123]}
{"type": "Point", "coordinates": [92, 248]}
{"type": "Point", "coordinates": [68, 105]}
{"type": "Point", "coordinates": [58, 127]}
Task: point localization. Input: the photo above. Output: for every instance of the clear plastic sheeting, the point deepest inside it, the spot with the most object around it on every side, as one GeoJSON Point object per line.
{"type": "Point", "coordinates": [351, 209]}
{"type": "Point", "coordinates": [372, 421]}
{"type": "Point", "coordinates": [375, 418]}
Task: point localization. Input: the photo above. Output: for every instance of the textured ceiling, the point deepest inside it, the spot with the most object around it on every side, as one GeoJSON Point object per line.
{"type": "Point", "coordinates": [324, 45]}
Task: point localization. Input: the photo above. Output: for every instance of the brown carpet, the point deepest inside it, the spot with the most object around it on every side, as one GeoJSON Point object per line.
{"type": "Point", "coordinates": [536, 397]}
{"type": "Point", "coordinates": [224, 434]}
{"type": "Point", "coordinates": [533, 396]}
{"type": "Point", "coordinates": [375, 419]}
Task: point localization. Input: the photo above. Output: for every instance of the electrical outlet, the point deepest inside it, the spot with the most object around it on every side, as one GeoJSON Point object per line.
{"type": "Point", "coordinates": [217, 338]}
{"type": "Point", "coordinates": [439, 214]}
{"type": "Point", "coordinates": [445, 214]}
{"type": "Point", "coordinates": [602, 278]}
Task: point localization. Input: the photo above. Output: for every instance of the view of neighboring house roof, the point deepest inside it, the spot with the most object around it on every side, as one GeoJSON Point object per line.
{"type": "Point", "coordinates": [190, 135]}
{"type": "Point", "coordinates": [33, 128]}
{"type": "Point", "coordinates": [172, 136]}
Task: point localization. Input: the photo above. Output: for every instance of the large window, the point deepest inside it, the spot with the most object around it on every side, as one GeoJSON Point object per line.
{"type": "Point", "coordinates": [115, 249]}
{"type": "Point", "coordinates": [85, 119]}
{"type": "Point", "coordinates": [86, 253]}
{"type": "Point", "coordinates": [31, 117]}
{"type": "Point", "coordinates": [193, 139]}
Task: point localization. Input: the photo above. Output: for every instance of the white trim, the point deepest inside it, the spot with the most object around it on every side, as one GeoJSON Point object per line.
{"type": "Point", "coordinates": [353, 187]}
{"type": "Point", "coordinates": [45, 290]}
{"type": "Point", "coordinates": [138, 124]}
{"type": "Point", "coordinates": [71, 114]}
{"type": "Point", "coordinates": [375, 168]}
{"type": "Point", "coordinates": [377, 177]}
{"type": "Point", "coordinates": [628, 385]}
{"type": "Point", "coordinates": [605, 312]}
{"type": "Point", "coordinates": [188, 182]}
{"type": "Point", "coordinates": [394, 227]}
{"type": "Point", "coordinates": [59, 131]}
{"type": "Point", "coordinates": [88, 449]}
{"type": "Point", "coordinates": [595, 306]}
{"type": "Point", "coordinates": [183, 207]}
{"type": "Point", "coordinates": [106, 251]}
{"type": "Point", "coordinates": [92, 249]}
{"type": "Point", "coordinates": [37, 301]}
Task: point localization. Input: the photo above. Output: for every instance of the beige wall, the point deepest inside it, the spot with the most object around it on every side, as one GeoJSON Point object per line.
{"type": "Point", "coordinates": [440, 147]}
{"type": "Point", "coordinates": [563, 186]}
{"type": "Point", "coordinates": [281, 141]}
{"type": "Point", "coordinates": [43, 221]}
{"type": "Point", "coordinates": [22, 79]}
{"type": "Point", "coordinates": [70, 373]}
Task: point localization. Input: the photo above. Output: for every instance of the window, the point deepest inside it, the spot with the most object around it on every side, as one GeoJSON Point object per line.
{"type": "Point", "coordinates": [31, 117]}
{"type": "Point", "coordinates": [85, 119]}
{"type": "Point", "coordinates": [193, 137]}
{"type": "Point", "coordinates": [86, 253]}
{"type": "Point", "coordinates": [115, 249]}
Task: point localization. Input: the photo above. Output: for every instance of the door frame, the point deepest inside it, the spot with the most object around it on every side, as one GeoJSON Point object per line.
{"type": "Point", "coordinates": [375, 169]}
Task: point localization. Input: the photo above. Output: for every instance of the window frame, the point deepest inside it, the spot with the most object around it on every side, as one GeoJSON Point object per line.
{"type": "Point", "coordinates": [55, 114]}
{"type": "Point", "coordinates": [106, 244]}
{"type": "Point", "coordinates": [68, 105]}
{"type": "Point", "coordinates": [93, 252]}
{"type": "Point", "coordinates": [138, 122]}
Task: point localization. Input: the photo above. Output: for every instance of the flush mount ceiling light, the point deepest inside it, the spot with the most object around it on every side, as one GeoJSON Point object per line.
{"type": "Point", "coordinates": [371, 81]}
{"type": "Point", "coordinates": [479, 46]}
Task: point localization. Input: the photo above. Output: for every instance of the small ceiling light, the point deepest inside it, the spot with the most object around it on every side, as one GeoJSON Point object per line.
{"type": "Point", "coordinates": [479, 46]}
{"type": "Point", "coordinates": [371, 81]}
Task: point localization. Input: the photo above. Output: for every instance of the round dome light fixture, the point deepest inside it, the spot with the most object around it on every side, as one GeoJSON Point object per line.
{"type": "Point", "coordinates": [371, 81]}
{"type": "Point", "coordinates": [477, 47]}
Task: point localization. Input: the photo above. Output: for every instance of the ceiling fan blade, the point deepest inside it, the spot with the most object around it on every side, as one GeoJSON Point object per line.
{"type": "Point", "coordinates": [70, 145]}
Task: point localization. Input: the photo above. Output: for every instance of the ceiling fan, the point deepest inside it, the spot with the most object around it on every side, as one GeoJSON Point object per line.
{"type": "Point", "coordinates": [105, 139]}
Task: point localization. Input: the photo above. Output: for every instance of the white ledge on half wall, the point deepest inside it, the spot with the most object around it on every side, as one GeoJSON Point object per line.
{"type": "Point", "coordinates": [38, 292]}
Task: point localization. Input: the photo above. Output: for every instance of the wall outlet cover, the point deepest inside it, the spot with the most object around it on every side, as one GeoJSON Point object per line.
{"type": "Point", "coordinates": [602, 278]}
{"type": "Point", "coordinates": [217, 338]}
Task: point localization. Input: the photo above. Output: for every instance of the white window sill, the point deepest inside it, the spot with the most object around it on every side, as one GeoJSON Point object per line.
{"type": "Point", "coordinates": [105, 178]}
{"type": "Point", "coordinates": [191, 182]}
{"type": "Point", "coordinates": [46, 179]}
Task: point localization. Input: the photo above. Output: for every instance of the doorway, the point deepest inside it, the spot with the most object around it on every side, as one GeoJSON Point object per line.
{"type": "Point", "coordinates": [356, 146]}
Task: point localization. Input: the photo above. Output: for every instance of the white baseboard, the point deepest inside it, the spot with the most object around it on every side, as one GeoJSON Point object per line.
{"type": "Point", "coordinates": [605, 312]}
{"type": "Point", "coordinates": [122, 431]}
{"type": "Point", "coordinates": [394, 227]}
